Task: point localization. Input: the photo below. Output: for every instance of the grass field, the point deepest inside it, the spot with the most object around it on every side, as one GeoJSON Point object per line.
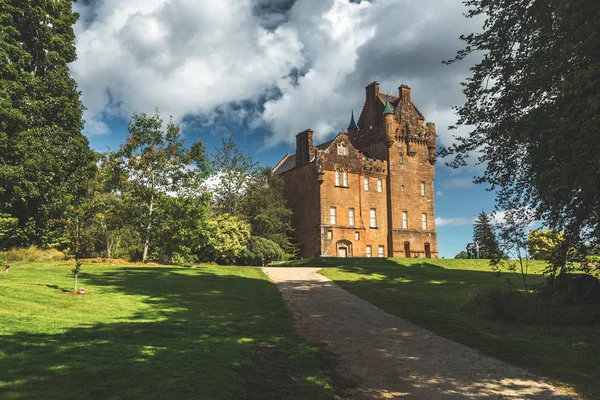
{"type": "Point", "coordinates": [151, 333]}
{"type": "Point", "coordinates": [432, 293]}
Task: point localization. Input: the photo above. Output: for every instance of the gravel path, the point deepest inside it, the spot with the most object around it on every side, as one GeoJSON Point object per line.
{"type": "Point", "coordinates": [389, 357]}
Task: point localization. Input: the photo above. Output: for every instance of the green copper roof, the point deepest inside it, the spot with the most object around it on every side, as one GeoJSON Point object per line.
{"type": "Point", "coordinates": [388, 109]}
{"type": "Point", "coordinates": [352, 123]}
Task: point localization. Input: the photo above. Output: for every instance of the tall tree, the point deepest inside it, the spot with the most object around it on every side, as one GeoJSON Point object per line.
{"type": "Point", "coordinates": [266, 210]}
{"type": "Point", "coordinates": [483, 233]}
{"type": "Point", "coordinates": [533, 102]}
{"type": "Point", "coordinates": [43, 154]}
{"type": "Point", "coordinates": [233, 169]}
{"type": "Point", "coordinates": [154, 163]}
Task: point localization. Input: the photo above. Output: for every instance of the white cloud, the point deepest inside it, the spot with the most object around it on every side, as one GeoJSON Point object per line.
{"type": "Point", "coordinates": [441, 221]}
{"type": "Point", "coordinates": [190, 57]}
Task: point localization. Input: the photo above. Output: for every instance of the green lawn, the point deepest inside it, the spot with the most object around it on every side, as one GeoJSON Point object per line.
{"type": "Point", "coordinates": [431, 294]}
{"type": "Point", "coordinates": [152, 332]}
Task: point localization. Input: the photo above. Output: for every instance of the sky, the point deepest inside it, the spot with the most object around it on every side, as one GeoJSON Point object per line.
{"type": "Point", "coordinates": [264, 70]}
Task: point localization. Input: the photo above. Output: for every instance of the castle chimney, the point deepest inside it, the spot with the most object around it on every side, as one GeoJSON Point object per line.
{"type": "Point", "coordinates": [404, 93]}
{"type": "Point", "coordinates": [372, 90]}
{"type": "Point", "coordinates": [304, 147]}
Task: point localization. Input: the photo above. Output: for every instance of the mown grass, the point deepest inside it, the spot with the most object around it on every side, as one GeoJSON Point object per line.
{"type": "Point", "coordinates": [432, 294]}
{"type": "Point", "coordinates": [151, 332]}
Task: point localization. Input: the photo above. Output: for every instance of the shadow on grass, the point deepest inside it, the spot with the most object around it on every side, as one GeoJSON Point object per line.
{"type": "Point", "coordinates": [204, 336]}
{"type": "Point", "coordinates": [433, 297]}
{"type": "Point", "coordinates": [393, 358]}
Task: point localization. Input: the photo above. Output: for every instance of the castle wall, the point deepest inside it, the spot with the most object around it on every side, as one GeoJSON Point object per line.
{"type": "Point", "coordinates": [302, 192]}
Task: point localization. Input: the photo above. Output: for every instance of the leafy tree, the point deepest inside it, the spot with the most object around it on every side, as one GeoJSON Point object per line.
{"type": "Point", "coordinates": [266, 210]}
{"type": "Point", "coordinates": [8, 226]}
{"type": "Point", "coordinates": [42, 151]}
{"type": "Point", "coordinates": [234, 169]}
{"type": "Point", "coordinates": [513, 256]}
{"type": "Point", "coordinates": [153, 163]}
{"type": "Point", "coordinates": [261, 251]}
{"type": "Point", "coordinates": [226, 237]}
{"type": "Point", "coordinates": [462, 255]}
{"type": "Point", "coordinates": [181, 231]}
{"type": "Point", "coordinates": [543, 243]}
{"type": "Point", "coordinates": [483, 233]}
{"type": "Point", "coordinates": [533, 104]}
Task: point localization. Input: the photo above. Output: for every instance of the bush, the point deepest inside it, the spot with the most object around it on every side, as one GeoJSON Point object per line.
{"type": "Point", "coordinates": [33, 253]}
{"type": "Point", "coordinates": [508, 304]}
{"type": "Point", "coordinates": [261, 251]}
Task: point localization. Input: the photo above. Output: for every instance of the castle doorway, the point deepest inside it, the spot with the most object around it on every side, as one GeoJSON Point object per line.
{"type": "Point", "coordinates": [407, 249]}
{"type": "Point", "coordinates": [344, 248]}
{"type": "Point", "coordinates": [427, 250]}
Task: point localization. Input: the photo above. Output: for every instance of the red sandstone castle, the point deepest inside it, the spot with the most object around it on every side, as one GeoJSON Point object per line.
{"type": "Point", "coordinates": [368, 192]}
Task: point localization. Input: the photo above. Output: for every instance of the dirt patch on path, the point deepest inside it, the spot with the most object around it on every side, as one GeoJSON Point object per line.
{"type": "Point", "coordinates": [391, 358]}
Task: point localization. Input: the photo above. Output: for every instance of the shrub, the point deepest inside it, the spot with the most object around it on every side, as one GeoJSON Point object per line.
{"type": "Point", "coordinates": [261, 251]}
{"type": "Point", "coordinates": [33, 253]}
{"type": "Point", "coordinates": [508, 304]}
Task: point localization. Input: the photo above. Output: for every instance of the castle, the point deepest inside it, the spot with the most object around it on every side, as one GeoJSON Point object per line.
{"type": "Point", "coordinates": [368, 192]}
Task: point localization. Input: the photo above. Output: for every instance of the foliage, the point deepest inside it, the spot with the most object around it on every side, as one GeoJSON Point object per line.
{"type": "Point", "coordinates": [483, 233]}
{"type": "Point", "coordinates": [32, 253]}
{"type": "Point", "coordinates": [180, 234]}
{"type": "Point", "coordinates": [234, 170]}
{"type": "Point", "coordinates": [260, 251]}
{"type": "Point", "coordinates": [533, 101]}
{"type": "Point", "coordinates": [462, 255]}
{"type": "Point", "coordinates": [542, 243]}
{"type": "Point", "coordinates": [226, 237]}
{"type": "Point", "coordinates": [513, 246]}
{"type": "Point", "coordinates": [43, 155]}
{"type": "Point", "coordinates": [266, 210]}
{"type": "Point", "coordinates": [8, 227]}
{"type": "Point", "coordinates": [151, 164]}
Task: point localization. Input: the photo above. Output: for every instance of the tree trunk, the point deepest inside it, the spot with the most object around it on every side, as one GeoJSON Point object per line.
{"type": "Point", "coordinates": [75, 278]}
{"type": "Point", "coordinates": [148, 226]}
{"type": "Point", "coordinates": [109, 247]}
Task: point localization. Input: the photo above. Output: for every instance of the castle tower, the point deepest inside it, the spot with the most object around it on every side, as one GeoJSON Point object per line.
{"type": "Point", "coordinates": [392, 128]}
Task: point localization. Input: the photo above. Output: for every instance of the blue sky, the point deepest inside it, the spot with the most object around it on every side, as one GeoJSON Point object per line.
{"type": "Point", "coordinates": [265, 70]}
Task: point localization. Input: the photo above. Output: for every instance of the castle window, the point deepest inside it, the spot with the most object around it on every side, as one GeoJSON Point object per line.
{"type": "Point", "coordinates": [329, 234]}
{"type": "Point", "coordinates": [380, 185]}
{"type": "Point", "coordinates": [401, 159]}
{"type": "Point", "coordinates": [424, 221]}
{"type": "Point", "coordinates": [403, 188]}
{"type": "Point", "coordinates": [337, 177]}
{"type": "Point", "coordinates": [381, 251]}
{"type": "Point", "coordinates": [342, 149]}
{"type": "Point", "coordinates": [345, 178]}
{"type": "Point", "coordinates": [356, 235]}
{"type": "Point", "coordinates": [351, 216]}
{"type": "Point", "coordinates": [373, 218]}
{"type": "Point", "coordinates": [366, 183]}
{"type": "Point", "coordinates": [332, 215]}
{"type": "Point", "coordinates": [422, 188]}
{"type": "Point", "coordinates": [404, 220]}
{"type": "Point", "coordinates": [369, 250]}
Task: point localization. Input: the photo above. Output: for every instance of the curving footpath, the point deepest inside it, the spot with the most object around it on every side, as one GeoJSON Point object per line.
{"type": "Point", "coordinates": [389, 357]}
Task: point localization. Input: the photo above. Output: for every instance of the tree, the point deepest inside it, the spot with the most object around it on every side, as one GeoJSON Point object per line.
{"type": "Point", "coordinates": [543, 243]}
{"type": "Point", "coordinates": [42, 151]}
{"type": "Point", "coordinates": [533, 102]}
{"type": "Point", "coordinates": [462, 255]}
{"type": "Point", "coordinates": [233, 168]}
{"type": "Point", "coordinates": [226, 237]}
{"type": "Point", "coordinates": [513, 245]}
{"type": "Point", "coordinates": [153, 163]}
{"type": "Point", "coordinates": [266, 210]}
{"type": "Point", "coordinates": [483, 234]}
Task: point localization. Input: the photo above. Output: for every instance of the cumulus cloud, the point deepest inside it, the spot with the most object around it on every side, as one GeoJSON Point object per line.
{"type": "Point", "coordinates": [441, 221]}
{"type": "Point", "coordinates": [301, 64]}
